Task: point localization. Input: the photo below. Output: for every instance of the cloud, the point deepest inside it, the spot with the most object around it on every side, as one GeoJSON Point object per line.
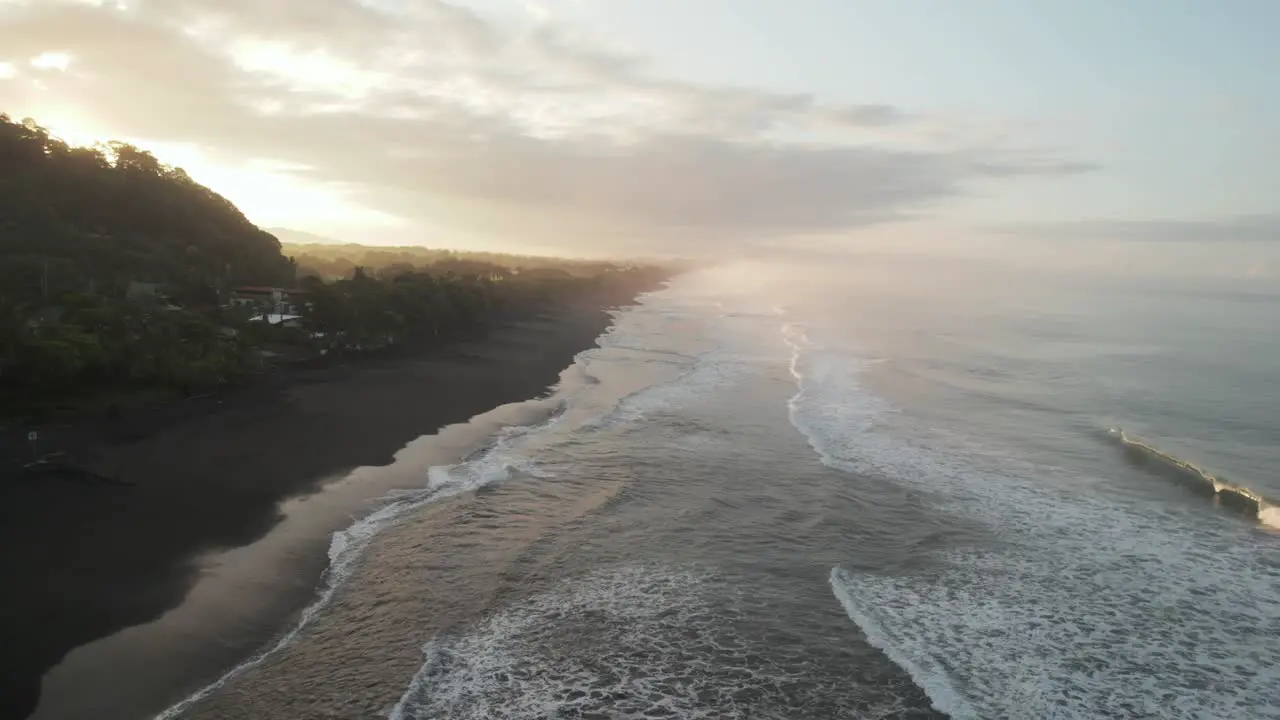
{"type": "Point", "coordinates": [1244, 228]}
{"type": "Point", "coordinates": [430, 111]}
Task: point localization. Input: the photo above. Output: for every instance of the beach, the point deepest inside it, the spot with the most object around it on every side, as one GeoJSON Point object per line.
{"type": "Point", "coordinates": [741, 502]}
{"type": "Point", "coordinates": [80, 561]}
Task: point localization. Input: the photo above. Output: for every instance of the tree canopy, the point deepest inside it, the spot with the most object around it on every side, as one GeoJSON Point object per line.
{"type": "Point", "coordinates": [103, 216]}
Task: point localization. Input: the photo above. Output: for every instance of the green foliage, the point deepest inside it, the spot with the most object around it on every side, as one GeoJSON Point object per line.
{"type": "Point", "coordinates": [101, 342]}
{"type": "Point", "coordinates": [392, 305]}
{"type": "Point", "coordinates": [73, 218]}
{"type": "Point", "coordinates": [362, 297]}
{"type": "Point", "coordinates": [88, 234]}
{"type": "Point", "coordinates": [364, 312]}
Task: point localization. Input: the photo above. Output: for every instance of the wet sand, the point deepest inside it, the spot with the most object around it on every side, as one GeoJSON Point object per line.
{"type": "Point", "coordinates": [81, 561]}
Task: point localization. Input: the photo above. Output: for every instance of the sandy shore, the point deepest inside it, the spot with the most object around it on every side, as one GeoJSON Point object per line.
{"type": "Point", "coordinates": [80, 561]}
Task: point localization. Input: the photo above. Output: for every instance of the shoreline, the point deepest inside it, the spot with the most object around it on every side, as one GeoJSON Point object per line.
{"type": "Point", "coordinates": [85, 561]}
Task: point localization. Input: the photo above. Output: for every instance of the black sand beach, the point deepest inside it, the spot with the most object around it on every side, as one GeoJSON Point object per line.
{"type": "Point", "coordinates": [80, 561]}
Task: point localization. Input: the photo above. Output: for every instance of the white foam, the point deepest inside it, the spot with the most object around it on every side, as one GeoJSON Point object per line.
{"type": "Point", "coordinates": [928, 677]}
{"type": "Point", "coordinates": [494, 463]}
{"type": "Point", "coordinates": [671, 329]}
{"type": "Point", "coordinates": [1087, 607]}
{"type": "Point", "coordinates": [641, 329]}
{"type": "Point", "coordinates": [642, 641]}
{"type": "Point", "coordinates": [497, 670]}
{"type": "Point", "coordinates": [1269, 516]}
{"type": "Point", "coordinates": [698, 379]}
{"type": "Point", "coordinates": [829, 393]}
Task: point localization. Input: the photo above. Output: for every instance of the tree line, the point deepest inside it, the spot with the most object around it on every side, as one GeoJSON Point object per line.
{"type": "Point", "coordinates": [99, 342]}
{"type": "Point", "coordinates": [332, 260]}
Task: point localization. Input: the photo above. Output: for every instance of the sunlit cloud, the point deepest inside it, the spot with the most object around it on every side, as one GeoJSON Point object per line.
{"type": "Point", "coordinates": [51, 61]}
{"type": "Point", "coordinates": [308, 71]}
{"type": "Point", "coordinates": [537, 10]}
{"type": "Point", "coordinates": [432, 114]}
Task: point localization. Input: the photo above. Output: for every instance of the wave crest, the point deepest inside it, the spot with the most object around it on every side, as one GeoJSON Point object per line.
{"type": "Point", "coordinates": [1232, 495]}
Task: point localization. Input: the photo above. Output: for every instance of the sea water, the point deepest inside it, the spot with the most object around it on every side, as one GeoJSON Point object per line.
{"type": "Point", "coordinates": [867, 494]}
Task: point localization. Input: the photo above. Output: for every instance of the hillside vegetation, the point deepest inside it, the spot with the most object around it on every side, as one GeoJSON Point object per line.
{"type": "Point", "coordinates": [75, 218]}
{"type": "Point", "coordinates": [82, 230]}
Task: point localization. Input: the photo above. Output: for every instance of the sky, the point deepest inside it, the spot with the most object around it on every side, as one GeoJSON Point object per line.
{"type": "Point", "coordinates": [684, 126]}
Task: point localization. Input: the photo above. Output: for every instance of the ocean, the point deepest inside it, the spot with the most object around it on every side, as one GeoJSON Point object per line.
{"type": "Point", "coordinates": [894, 489]}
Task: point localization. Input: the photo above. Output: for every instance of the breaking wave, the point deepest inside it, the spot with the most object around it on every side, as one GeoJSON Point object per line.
{"type": "Point", "coordinates": [642, 641]}
{"type": "Point", "coordinates": [496, 461]}
{"type": "Point", "coordinates": [1078, 606]}
{"type": "Point", "coordinates": [504, 455]}
{"type": "Point", "coordinates": [1231, 495]}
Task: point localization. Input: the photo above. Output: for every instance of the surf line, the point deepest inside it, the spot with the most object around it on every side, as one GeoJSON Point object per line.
{"type": "Point", "coordinates": [1237, 497]}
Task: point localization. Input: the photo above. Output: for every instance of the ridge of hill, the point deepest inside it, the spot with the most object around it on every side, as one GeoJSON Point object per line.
{"type": "Point", "coordinates": [100, 217]}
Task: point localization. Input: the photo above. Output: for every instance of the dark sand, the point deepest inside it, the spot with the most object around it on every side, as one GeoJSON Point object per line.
{"type": "Point", "coordinates": [82, 560]}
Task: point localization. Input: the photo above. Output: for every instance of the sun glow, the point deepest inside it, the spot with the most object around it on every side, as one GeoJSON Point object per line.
{"type": "Point", "coordinates": [314, 71]}
{"type": "Point", "coordinates": [268, 193]}
{"type": "Point", "coordinates": [67, 124]}
{"type": "Point", "coordinates": [51, 61]}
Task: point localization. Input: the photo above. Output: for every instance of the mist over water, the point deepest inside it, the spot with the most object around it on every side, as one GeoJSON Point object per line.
{"type": "Point", "coordinates": [1107, 587]}
{"type": "Point", "coordinates": [887, 491]}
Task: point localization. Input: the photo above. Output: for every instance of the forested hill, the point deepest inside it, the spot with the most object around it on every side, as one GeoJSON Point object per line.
{"type": "Point", "coordinates": [79, 226]}
{"type": "Point", "coordinates": [95, 218]}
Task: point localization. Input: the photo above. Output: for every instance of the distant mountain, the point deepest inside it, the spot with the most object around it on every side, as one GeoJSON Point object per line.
{"type": "Point", "coordinates": [300, 237]}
